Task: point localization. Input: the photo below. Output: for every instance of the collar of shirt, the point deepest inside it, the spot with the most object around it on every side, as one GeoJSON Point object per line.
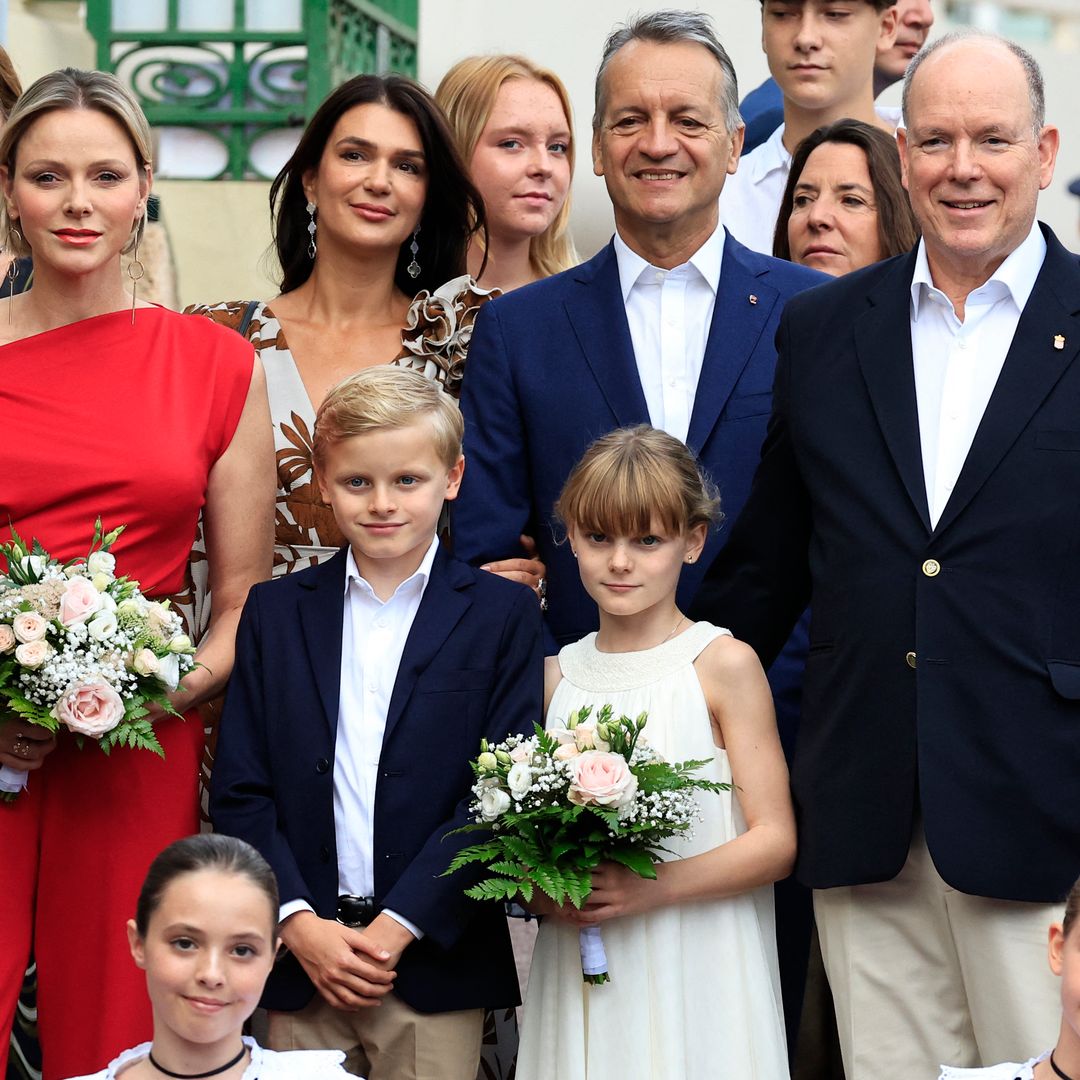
{"type": "Point", "coordinates": [417, 580]}
{"type": "Point", "coordinates": [706, 261]}
{"type": "Point", "coordinates": [1014, 278]}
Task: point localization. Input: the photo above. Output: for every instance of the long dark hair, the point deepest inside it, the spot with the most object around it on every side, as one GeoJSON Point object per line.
{"type": "Point", "coordinates": [898, 231]}
{"type": "Point", "coordinates": [204, 851]}
{"type": "Point", "coordinates": [453, 209]}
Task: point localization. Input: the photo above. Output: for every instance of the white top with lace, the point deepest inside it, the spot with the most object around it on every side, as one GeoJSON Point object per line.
{"type": "Point", "coordinates": [264, 1064]}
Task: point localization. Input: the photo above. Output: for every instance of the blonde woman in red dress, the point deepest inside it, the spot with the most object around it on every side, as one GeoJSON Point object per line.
{"type": "Point", "coordinates": [109, 407]}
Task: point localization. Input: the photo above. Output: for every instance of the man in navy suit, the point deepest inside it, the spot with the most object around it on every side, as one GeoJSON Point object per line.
{"type": "Point", "coordinates": [672, 323]}
{"type": "Point", "coordinates": [918, 489]}
{"type": "Point", "coordinates": [362, 688]}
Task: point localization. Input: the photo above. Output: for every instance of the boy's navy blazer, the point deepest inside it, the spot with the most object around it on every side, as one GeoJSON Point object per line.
{"type": "Point", "coordinates": [472, 668]}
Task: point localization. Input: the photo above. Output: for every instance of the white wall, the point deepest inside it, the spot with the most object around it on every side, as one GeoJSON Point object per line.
{"type": "Point", "coordinates": [567, 36]}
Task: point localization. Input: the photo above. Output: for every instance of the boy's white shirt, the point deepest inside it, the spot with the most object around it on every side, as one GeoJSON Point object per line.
{"type": "Point", "coordinates": [373, 636]}
{"type": "Point", "coordinates": [750, 201]}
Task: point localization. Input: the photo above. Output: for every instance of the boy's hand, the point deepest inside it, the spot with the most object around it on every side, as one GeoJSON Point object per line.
{"type": "Point", "coordinates": [390, 935]}
{"type": "Point", "coordinates": [349, 968]}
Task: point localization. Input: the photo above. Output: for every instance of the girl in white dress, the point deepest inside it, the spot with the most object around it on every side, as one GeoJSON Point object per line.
{"type": "Point", "coordinates": [694, 989]}
{"type": "Point", "coordinates": [1063, 1062]}
{"type": "Point", "coordinates": [205, 932]}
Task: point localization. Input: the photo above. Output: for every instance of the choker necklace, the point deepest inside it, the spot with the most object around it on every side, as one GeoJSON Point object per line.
{"type": "Point", "coordinates": [198, 1076]}
{"type": "Point", "coordinates": [1057, 1071]}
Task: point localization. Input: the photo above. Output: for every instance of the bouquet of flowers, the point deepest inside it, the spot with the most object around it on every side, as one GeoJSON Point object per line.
{"type": "Point", "coordinates": [84, 649]}
{"type": "Point", "coordinates": [560, 802]}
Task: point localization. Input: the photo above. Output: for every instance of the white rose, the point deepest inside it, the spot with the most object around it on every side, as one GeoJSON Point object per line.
{"type": "Point", "coordinates": [493, 803]}
{"type": "Point", "coordinates": [518, 779]}
{"type": "Point", "coordinates": [8, 641]}
{"type": "Point", "coordinates": [521, 752]}
{"type": "Point", "coordinates": [168, 671]}
{"type": "Point", "coordinates": [102, 626]}
{"type": "Point", "coordinates": [146, 662]}
{"type": "Point", "coordinates": [101, 562]}
{"type": "Point", "coordinates": [29, 626]}
{"type": "Point", "coordinates": [180, 644]}
{"type": "Point", "coordinates": [131, 606]}
{"type": "Point", "coordinates": [159, 616]}
{"type": "Point", "coordinates": [487, 761]}
{"type": "Point", "coordinates": [33, 564]}
{"type": "Point", "coordinates": [32, 654]}
{"type": "Point", "coordinates": [101, 581]}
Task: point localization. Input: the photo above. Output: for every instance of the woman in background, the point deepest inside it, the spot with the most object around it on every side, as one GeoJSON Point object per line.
{"type": "Point", "coordinates": [373, 215]}
{"type": "Point", "coordinates": [514, 127]}
{"type": "Point", "coordinates": [844, 206]}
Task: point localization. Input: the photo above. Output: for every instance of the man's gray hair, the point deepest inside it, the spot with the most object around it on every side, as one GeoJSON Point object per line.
{"type": "Point", "coordinates": [1032, 71]}
{"type": "Point", "coordinates": [670, 28]}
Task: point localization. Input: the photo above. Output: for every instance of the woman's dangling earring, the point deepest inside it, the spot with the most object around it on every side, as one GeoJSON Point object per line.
{"type": "Point", "coordinates": [135, 272]}
{"type": "Point", "coordinates": [413, 269]}
{"type": "Point", "coordinates": [13, 271]}
{"type": "Point", "coordinates": [311, 248]}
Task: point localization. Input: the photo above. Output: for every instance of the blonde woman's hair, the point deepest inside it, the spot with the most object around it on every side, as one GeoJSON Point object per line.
{"type": "Point", "coordinates": [385, 397]}
{"type": "Point", "coordinates": [71, 88]}
{"type": "Point", "coordinates": [467, 95]}
{"type": "Point", "coordinates": [634, 480]}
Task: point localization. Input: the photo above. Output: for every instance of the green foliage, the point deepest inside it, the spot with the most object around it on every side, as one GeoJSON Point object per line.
{"type": "Point", "coordinates": [137, 734]}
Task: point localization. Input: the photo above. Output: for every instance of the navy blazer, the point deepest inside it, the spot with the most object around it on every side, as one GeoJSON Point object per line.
{"type": "Point", "coordinates": [472, 668]}
{"type": "Point", "coordinates": [944, 665]}
{"type": "Point", "coordinates": [551, 368]}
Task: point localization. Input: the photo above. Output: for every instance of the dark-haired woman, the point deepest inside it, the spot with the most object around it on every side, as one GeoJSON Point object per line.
{"type": "Point", "coordinates": [373, 215]}
{"type": "Point", "coordinates": [844, 206]}
{"type": "Point", "coordinates": [205, 932]}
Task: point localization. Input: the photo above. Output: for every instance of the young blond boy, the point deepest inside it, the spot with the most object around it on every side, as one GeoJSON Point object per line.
{"type": "Point", "coordinates": [362, 688]}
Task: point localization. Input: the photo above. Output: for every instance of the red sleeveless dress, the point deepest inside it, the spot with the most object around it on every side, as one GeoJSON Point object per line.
{"type": "Point", "coordinates": [123, 421]}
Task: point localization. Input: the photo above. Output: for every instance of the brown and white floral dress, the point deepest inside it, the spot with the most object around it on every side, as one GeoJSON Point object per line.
{"type": "Point", "coordinates": [434, 341]}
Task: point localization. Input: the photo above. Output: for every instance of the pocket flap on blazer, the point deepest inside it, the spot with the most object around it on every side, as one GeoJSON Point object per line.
{"type": "Point", "coordinates": [1065, 675]}
{"type": "Point", "coordinates": [1057, 440]}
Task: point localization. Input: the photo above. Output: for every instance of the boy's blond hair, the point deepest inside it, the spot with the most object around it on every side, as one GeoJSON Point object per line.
{"type": "Point", "coordinates": [384, 397]}
{"type": "Point", "coordinates": [636, 479]}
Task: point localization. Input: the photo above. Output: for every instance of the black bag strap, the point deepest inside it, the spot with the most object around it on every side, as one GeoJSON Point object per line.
{"type": "Point", "coordinates": [245, 322]}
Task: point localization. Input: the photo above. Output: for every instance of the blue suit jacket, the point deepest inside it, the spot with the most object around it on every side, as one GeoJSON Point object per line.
{"type": "Point", "coordinates": [551, 368]}
{"type": "Point", "coordinates": [944, 666]}
{"type": "Point", "coordinates": [471, 668]}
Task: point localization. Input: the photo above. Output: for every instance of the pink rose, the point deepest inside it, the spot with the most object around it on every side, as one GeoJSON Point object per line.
{"type": "Point", "coordinates": [602, 778]}
{"type": "Point", "coordinates": [91, 708]}
{"type": "Point", "coordinates": [521, 752]}
{"type": "Point", "coordinates": [565, 751]}
{"type": "Point", "coordinates": [8, 640]}
{"type": "Point", "coordinates": [32, 654]}
{"type": "Point", "coordinates": [29, 626]}
{"type": "Point", "coordinates": [78, 601]}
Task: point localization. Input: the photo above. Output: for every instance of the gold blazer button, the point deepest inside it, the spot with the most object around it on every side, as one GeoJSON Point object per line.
{"type": "Point", "coordinates": [909, 658]}
{"type": "Point", "coordinates": [931, 568]}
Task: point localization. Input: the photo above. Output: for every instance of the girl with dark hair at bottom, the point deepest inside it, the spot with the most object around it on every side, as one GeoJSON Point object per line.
{"type": "Point", "coordinates": [205, 933]}
{"type": "Point", "coordinates": [1063, 1062]}
{"type": "Point", "coordinates": [373, 215]}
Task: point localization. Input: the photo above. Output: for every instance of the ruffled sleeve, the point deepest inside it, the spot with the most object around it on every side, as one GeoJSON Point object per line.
{"type": "Point", "coordinates": [438, 330]}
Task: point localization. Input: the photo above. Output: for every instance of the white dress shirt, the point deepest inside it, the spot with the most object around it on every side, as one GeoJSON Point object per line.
{"type": "Point", "coordinates": [670, 313]}
{"type": "Point", "coordinates": [373, 636]}
{"type": "Point", "coordinates": [957, 364]}
{"type": "Point", "coordinates": [750, 201]}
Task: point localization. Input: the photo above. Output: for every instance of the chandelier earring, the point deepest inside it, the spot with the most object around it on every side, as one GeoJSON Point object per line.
{"type": "Point", "coordinates": [135, 271]}
{"type": "Point", "coordinates": [311, 248]}
{"type": "Point", "coordinates": [413, 269]}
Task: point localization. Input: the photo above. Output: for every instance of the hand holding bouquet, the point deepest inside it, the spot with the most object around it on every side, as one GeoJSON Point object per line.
{"type": "Point", "coordinates": [84, 649]}
{"type": "Point", "coordinates": [561, 802]}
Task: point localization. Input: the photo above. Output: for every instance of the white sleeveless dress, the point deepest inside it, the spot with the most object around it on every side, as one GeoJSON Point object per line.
{"type": "Point", "coordinates": [695, 989]}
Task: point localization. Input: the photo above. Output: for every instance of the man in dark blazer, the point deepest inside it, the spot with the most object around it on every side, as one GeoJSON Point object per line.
{"type": "Point", "coordinates": [918, 488]}
{"type": "Point", "coordinates": [672, 323]}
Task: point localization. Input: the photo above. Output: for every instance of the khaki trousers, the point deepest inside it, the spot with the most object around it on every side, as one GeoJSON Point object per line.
{"type": "Point", "coordinates": [390, 1041]}
{"type": "Point", "coordinates": [923, 975]}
